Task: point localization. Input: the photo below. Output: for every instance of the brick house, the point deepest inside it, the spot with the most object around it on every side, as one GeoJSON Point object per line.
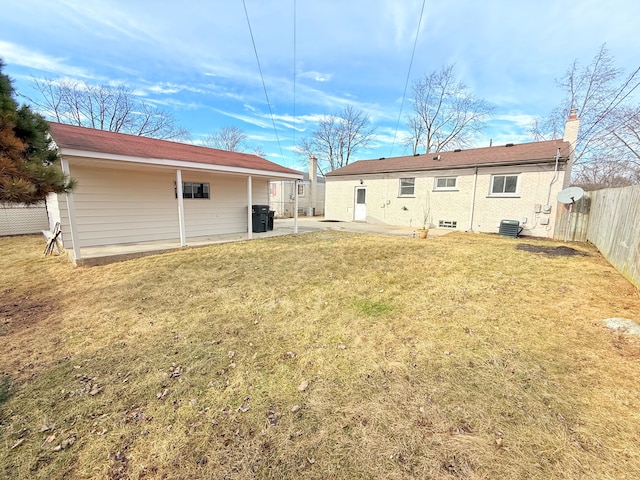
{"type": "Point", "coordinates": [468, 190]}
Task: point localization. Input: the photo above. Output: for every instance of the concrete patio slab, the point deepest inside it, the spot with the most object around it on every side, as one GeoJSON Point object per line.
{"type": "Point", "coordinates": [102, 255]}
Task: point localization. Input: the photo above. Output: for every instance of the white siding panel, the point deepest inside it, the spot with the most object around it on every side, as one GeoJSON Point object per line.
{"type": "Point", "coordinates": [124, 206]}
{"type": "Point", "coordinates": [21, 220]}
{"type": "Point", "coordinates": [63, 214]}
{"type": "Point", "coordinates": [226, 210]}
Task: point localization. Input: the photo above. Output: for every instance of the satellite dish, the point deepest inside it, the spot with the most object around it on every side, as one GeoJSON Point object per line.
{"type": "Point", "coordinates": [570, 195]}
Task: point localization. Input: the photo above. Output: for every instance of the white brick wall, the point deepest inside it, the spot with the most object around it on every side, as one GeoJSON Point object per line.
{"type": "Point", "coordinates": [385, 205]}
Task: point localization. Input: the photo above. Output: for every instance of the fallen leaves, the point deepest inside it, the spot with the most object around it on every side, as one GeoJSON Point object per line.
{"type": "Point", "coordinates": [95, 389]}
{"type": "Point", "coordinates": [162, 395]}
{"type": "Point", "coordinates": [17, 444]}
{"type": "Point", "coordinates": [65, 444]}
{"type": "Point", "coordinates": [176, 371]}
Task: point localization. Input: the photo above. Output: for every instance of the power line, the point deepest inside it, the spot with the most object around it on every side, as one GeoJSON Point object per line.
{"type": "Point", "coordinates": [294, 73]}
{"type": "Point", "coordinates": [264, 86]}
{"type": "Point", "coordinates": [406, 83]}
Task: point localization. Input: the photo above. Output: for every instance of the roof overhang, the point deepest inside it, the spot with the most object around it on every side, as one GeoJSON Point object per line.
{"type": "Point", "coordinates": [178, 164]}
{"type": "Point", "coordinates": [435, 168]}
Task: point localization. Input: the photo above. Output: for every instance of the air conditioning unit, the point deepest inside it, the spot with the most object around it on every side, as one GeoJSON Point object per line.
{"type": "Point", "coordinates": [509, 228]}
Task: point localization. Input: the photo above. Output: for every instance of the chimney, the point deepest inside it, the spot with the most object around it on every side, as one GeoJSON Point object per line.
{"type": "Point", "coordinates": [313, 182]}
{"type": "Point", "coordinates": [571, 136]}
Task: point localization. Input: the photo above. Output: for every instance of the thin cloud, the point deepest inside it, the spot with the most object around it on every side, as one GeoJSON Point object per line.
{"type": "Point", "coordinates": [317, 76]}
{"type": "Point", "coordinates": [18, 55]}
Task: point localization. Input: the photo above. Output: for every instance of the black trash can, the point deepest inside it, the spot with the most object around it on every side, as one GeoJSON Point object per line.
{"type": "Point", "coordinates": [260, 218]}
{"type": "Point", "coordinates": [270, 222]}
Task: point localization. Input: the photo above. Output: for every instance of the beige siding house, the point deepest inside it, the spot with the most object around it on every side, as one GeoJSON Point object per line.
{"type": "Point", "coordinates": [469, 190]}
{"type": "Point", "coordinates": [308, 194]}
{"type": "Point", "coordinates": [133, 189]}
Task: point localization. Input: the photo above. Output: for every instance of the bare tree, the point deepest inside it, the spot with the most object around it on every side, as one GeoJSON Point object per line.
{"type": "Point", "coordinates": [606, 151]}
{"type": "Point", "coordinates": [105, 107]}
{"type": "Point", "coordinates": [338, 138]}
{"type": "Point", "coordinates": [228, 138]}
{"type": "Point", "coordinates": [609, 173]}
{"type": "Point", "coordinates": [628, 132]}
{"type": "Point", "coordinates": [232, 139]}
{"type": "Point", "coordinates": [446, 114]}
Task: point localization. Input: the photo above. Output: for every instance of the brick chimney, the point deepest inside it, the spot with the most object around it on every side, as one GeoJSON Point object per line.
{"type": "Point", "coordinates": [571, 135]}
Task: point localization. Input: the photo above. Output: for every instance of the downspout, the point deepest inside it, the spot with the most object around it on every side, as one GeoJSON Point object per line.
{"type": "Point", "coordinates": [181, 223]}
{"type": "Point", "coordinates": [555, 177]}
{"type": "Point", "coordinates": [71, 210]}
{"type": "Point", "coordinates": [473, 198]}
{"type": "Point", "coordinates": [249, 209]}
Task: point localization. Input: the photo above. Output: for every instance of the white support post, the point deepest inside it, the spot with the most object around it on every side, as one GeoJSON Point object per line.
{"type": "Point", "coordinates": [249, 212]}
{"type": "Point", "coordinates": [71, 210]}
{"type": "Point", "coordinates": [295, 207]}
{"type": "Point", "coordinates": [181, 226]}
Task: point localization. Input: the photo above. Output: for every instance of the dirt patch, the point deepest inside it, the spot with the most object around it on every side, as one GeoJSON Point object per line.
{"type": "Point", "coordinates": [22, 312]}
{"type": "Point", "coordinates": [560, 251]}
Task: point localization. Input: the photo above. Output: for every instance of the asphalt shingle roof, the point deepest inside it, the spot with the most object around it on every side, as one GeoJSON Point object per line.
{"type": "Point", "coordinates": [100, 141]}
{"type": "Point", "coordinates": [510, 154]}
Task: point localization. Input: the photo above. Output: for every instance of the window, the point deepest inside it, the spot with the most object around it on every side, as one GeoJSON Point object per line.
{"type": "Point", "coordinates": [506, 185]}
{"type": "Point", "coordinates": [301, 190]}
{"type": "Point", "coordinates": [194, 190]}
{"type": "Point", "coordinates": [447, 223]}
{"type": "Point", "coordinates": [407, 187]}
{"type": "Point", "coordinates": [446, 183]}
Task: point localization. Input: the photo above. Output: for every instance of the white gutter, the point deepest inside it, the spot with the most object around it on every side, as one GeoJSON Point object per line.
{"type": "Point", "coordinates": [178, 164]}
{"type": "Point", "coordinates": [71, 210]}
{"type": "Point", "coordinates": [555, 177]}
{"type": "Point", "coordinates": [181, 222]}
{"type": "Point", "coordinates": [473, 198]}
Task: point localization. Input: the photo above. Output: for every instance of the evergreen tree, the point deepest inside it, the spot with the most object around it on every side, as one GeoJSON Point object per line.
{"type": "Point", "coordinates": [29, 169]}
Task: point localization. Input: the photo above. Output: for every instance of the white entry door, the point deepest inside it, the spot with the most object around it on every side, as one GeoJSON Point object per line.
{"type": "Point", "coordinates": [360, 209]}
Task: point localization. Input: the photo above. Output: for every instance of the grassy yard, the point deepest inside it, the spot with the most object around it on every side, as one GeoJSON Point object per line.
{"type": "Point", "coordinates": [326, 355]}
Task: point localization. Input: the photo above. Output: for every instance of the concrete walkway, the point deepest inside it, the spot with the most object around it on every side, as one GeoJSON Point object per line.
{"type": "Point", "coordinates": [102, 255]}
{"type": "Point", "coordinates": [319, 223]}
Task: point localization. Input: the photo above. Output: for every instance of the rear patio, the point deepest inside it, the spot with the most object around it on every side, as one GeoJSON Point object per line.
{"type": "Point", "coordinates": [104, 254]}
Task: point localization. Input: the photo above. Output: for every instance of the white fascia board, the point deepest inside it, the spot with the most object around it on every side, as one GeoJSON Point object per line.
{"type": "Point", "coordinates": [178, 164]}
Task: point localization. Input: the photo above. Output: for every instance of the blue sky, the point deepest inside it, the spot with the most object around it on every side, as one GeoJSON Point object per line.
{"type": "Point", "coordinates": [196, 58]}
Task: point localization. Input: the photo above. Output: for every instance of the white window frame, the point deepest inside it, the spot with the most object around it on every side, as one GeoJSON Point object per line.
{"type": "Point", "coordinates": [301, 188]}
{"type": "Point", "coordinates": [503, 193]}
{"type": "Point", "coordinates": [400, 187]}
{"type": "Point", "coordinates": [205, 186]}
{"type": "Point", "coordinates": [437, 188]}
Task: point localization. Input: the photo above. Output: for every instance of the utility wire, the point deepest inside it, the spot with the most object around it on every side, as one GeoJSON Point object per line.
{"type": "Point", "coordinates": [612, 105]}
{"type": "Point", "coordinates": [255, 50]}
{"type": "Point", "coordinates": [406, 83]}
{"type": "Point", "coordinates": [294, 75]}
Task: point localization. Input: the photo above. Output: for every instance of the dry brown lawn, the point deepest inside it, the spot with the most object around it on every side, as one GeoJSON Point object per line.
{"type": "Point", "coordinates": [325, 355]}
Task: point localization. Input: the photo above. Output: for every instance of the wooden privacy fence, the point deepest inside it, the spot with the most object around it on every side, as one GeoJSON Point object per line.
{"type": "Point", "coordinates": [609, 219]}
